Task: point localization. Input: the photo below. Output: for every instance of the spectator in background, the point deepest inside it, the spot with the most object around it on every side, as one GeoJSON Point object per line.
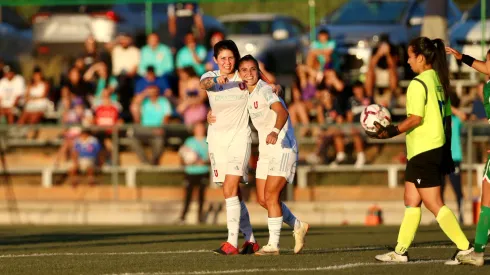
{"type": "Point", "coordinates": [305, 98]}
{"type": "Point", "coordinates": [192, 54]}
{"type": "Point", "coordinates": [125, 62]}
{"type": "Point", "coordinates": [155, 112]}
{"type": "Point", "coordinates": [182, 17]}
{"type": "Point", "coordinates": [157, 55]}
{"type": "Point", "coordinates": [74, 117]}
{"type": "Point", "coordinates": [216, 37]}
{"type": "Point", "coordinates": [382, 72]}
{"type": "Point", "coordinates": [104, 82]}
{"type": "Point", "coordinates": [12, 89]}
{"type": "Point", "coordinates": [478, 114]}
{"type": "Point", "coordinates": [196, 173]}
{"type": "Point", "coordinates": [331, 95]}
{"type": "Point", "coordinates": [106, 115]}
{"type": "Point", "coordinates": [321, 51]}
{"type": "Point", "coordinates": [191, 98]}
{"type": "Point", "coordinates": [457, 119]}
{"type": "Point", "coordinates": [85, 157]}
{"type": "Point", "coordinates": [36, 100]}
{"type": "Point", "coordinates": [75, 87]}
{"type": "Point", "coordinates": [142, 90]}
{"type": "Point", "coordinates": [355, 106]}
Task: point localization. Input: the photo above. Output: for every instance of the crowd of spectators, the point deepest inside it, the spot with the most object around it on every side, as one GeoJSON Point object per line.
{"type": "Point", "coordinates": [157, 84]}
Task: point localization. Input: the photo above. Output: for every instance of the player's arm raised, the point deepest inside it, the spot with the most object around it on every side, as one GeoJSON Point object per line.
{"type": "Point", "coordinates": [481, 66]}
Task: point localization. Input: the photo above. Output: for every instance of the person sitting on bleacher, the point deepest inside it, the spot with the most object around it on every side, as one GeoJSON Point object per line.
{"type": "Point", "coordinates": [12, 89]}
{"type": "Point", "coordinates": [36, 100]}
{"type": "Point", "coordinates": [98, 75]}
{"type": "Point", "coordinates": [75, 87]}
{"type": "Point", "coordinates": [142, 90]}
{"type": "Point", "coordinates": [85, 156]}
{"type": "Point", "coordinates": [155, 112]}
{"type": "Point", "coordinates": [191, 100]}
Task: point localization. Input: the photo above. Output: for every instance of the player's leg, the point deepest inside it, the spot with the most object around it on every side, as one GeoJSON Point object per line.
{"type": "Point", "coordinates": [273, 187]}
{"type": "Point", "coordinates": [229, 185]}
{"type": "Point", "coordinates": [483, 227]}
{"type": "Point", "coordinates": [408, 227]}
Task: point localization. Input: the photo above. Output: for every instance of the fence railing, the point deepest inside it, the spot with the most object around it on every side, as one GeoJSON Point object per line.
{"type": "Point", "coordinates": [302, 171]}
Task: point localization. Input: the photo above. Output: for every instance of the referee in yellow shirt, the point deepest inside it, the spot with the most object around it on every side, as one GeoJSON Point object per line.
{"type": "Point", "coordinates": [428, 137]}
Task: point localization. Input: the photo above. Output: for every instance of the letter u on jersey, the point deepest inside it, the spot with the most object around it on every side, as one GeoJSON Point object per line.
{"type": "Point", "coordinates": [242, 86]}
{"type": "Point", "coordinates": [256, 104]}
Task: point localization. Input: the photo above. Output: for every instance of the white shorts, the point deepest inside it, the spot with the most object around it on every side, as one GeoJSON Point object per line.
{"type": "Point", "coordinates": [229, 159]}
{"type": "Point", "coordinates": [277, 161]}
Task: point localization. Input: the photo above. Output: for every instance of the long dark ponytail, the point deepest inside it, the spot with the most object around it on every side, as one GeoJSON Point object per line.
{"type": "Point", "coordinates": [435, 55]}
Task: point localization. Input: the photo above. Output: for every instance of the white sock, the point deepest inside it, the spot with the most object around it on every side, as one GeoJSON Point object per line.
{"type": "Point", "coordinates": [245, 225]}
{"type": "Point", "coordinates": [274, 230]}
{"type": "Point", "coordinates": [287, 216]}
{"type": "Point", "coordinates": [340, 156]}
{"type": "Point", "coordinates": [233, 219]}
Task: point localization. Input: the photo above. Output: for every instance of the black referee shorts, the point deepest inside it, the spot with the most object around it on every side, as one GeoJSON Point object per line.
{"type": "Point", "coordinates": [425, 169]}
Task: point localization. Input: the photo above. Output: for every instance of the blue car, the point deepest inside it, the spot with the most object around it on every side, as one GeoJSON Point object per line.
{"type": "Point", "coordinates": [359, 25]}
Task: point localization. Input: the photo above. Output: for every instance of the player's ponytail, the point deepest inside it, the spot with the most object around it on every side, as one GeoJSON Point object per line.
{"type": "Point", "coordinates": [435, 55]}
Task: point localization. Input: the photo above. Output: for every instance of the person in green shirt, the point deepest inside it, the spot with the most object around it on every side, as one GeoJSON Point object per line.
{"type": "Point", "coordinates": [428, 138]}
{"type": "Point", "coordinates": [481, 238]}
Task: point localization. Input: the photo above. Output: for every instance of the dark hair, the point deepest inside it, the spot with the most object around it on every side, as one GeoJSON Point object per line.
{"type": "Point", "coordinates": [150, 69]}
{"type": "Point", "coordinates": [189, 70]}
{"type": "Point", "coordinates": [323, 31]}
{"type": "Point", "coordinates": [36, 70]}
{"type": "Point", "coordinates": [435, 55]}
{"type": "Point", "coordinates": [227, 45]}
{"type": "Point", "coordinates": [358, 83]}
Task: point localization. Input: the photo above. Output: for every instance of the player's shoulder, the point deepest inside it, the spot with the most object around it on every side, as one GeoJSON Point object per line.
{"type": "Point", "coordinates": [263, 87]}
{"type": "Point", "coordinates": [417, 83]}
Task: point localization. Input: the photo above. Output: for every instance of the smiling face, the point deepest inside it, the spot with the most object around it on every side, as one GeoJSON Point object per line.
{"type": "Point", "coordinates": [249, 72]}
{"type": "Point", "coordinates": [226, 62]}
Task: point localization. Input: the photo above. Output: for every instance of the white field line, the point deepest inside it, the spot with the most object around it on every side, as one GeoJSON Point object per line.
{"type": "Point", "coordinates": [263, 270]}
{"type": "Point", "coordinates": [326, 250]}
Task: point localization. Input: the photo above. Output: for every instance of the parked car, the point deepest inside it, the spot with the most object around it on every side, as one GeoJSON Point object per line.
{"type": "Point", "coordinates": [466, 36]}
{"type": "Point", "coordinates": [15, 36]}
{"type": "Point", "coordinates": [277, 40]}
{"type": "Point", "coordinates": [63, 29]}
{"type": "Point", "coordinates": [358, 25]}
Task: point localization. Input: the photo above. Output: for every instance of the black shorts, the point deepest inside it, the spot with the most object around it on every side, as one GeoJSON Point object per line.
{"type": "Point", "coordinates": [425, 169]}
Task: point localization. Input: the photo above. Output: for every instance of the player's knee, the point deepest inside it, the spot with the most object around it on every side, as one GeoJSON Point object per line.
{"type": "Point", "coordinates": [262, 202]}
{"type": "Point", "coordinates": [271, 199]}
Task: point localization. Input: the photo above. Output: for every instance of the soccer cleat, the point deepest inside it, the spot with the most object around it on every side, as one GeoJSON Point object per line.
{"type": "Point", "coordinates": [459, 254]}
{"type": "Point", "coordinates": [299, 237]}
{"type": "Point", "coordinates": [268, 250]}
{"type": "Point", "coordinates": [226, 248]}
{"type": "Point", "coordinates": [472, 258]}
{"type": "Point", "coordinates": [392, 257]}
{"type": "Point", "coordinates": [249, 248]}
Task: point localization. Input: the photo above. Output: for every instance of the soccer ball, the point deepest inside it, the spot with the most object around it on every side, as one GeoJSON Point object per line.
{"type": "Point", "coordinates": [375, 113]}
{"type": "Point", "coordinates": [188, 156]}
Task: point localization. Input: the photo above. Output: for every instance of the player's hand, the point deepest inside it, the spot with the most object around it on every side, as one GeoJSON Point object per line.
{"type": "Point", "coordinates": [384, 132]}
{"type": "Point", "coordinates": [271, 138]}
{"type": "Point", "coordinates": [210, 118]}
{"type": "Point", "coordinates": [454, 52]}
{"type": "Point", "coordinates": [221, 79]}
{"type": "Point", "coordinates": [277, 89]}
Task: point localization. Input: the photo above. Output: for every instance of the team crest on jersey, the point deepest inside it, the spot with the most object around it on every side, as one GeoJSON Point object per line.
{"type": "Point", "coordinates": [220, 87]}
{"type": "Point", "coordinates": [242, 86]}
{"type": "Point", "coordinates": [256, 104]}
{"type": "Point", "coordinates": [215, 173]}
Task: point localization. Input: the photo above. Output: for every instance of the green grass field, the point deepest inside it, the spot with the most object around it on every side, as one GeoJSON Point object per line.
{"type": "Point", "coordinates": [186, 250]}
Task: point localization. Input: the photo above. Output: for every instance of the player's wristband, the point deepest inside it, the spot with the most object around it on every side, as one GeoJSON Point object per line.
{"type": "Point", "coordinates": [468, 60]}
{"type": "Point", "coordinates": [215, 80]}
{"type": "Point", "coordinates": [275, 130]}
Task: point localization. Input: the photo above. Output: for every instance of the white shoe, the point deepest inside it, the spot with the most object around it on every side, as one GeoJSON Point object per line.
{"type": "Point", "coordinates": [268, 250]}
{"type": "Point", "coordinates": [392, 257]}
{"type": "Point", "coordinates": [313, 159]}
{"type": "Point", "coordinates": [360, 161]}
{"type": "Point", "coordinates": [472, 258]}
{"type": "Point", "coordinates": [299, 236]}
{"type": "Point", "coordinates": [459, 255]}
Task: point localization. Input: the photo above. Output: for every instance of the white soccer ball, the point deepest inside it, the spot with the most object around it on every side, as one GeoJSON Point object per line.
{"type": "Point", "coordinates": [375, 113]}
{"type": "Point", "coordinates": [188, 155]}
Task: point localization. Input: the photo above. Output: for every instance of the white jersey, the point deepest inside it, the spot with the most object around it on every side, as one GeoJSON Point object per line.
{"type": "Point", "coordinates": [264, 118]}
{"type": "Point", "coordinates": [229, 105]}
